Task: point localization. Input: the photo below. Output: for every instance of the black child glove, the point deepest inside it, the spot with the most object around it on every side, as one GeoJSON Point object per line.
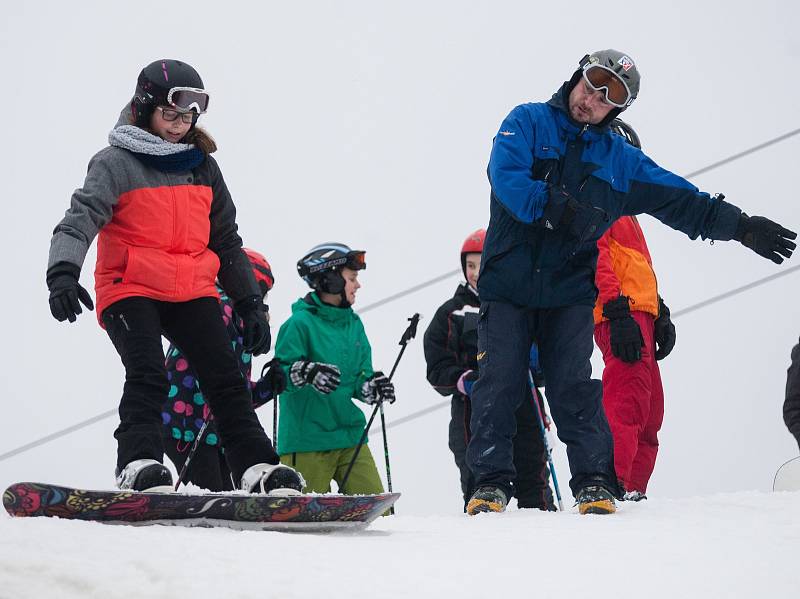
{"type": "Point", "coordinates": [765, 237]}
{"type": "Point", "coordinates": [274, 377]}
{"type": "Point", "coordinates": [325, 378]}
{"type": "Point", "coordinates": [664, 331]}
{"type": "Point", "coordinates": [66, 294]}
{"type": "Point", "coordinates": [626, 337]}
{"type": "Point", "coordinates": [256, 337]}
{"type": "Point", "coordinates": [377, 389]}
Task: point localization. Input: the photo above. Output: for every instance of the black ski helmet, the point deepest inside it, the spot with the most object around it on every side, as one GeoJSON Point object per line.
{"type": "Point", "coordinates": [321, 266]}
{"type": "Point", "coordinates": [160, 84]}
{"type": "Point", "coordinates": [622, 128]}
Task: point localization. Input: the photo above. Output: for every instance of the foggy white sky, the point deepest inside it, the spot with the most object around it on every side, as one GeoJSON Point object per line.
{"type": "Point", "coordinates": [371, 124]}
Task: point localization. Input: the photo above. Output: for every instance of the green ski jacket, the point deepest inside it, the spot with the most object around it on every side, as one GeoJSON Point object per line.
{"type": "Point", "coordinates": [309, 420]}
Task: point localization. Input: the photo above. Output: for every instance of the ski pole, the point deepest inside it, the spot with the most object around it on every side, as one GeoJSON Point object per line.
{"type": "Point", "coordinates": [408, 335]}
{"type": "Point", "coordinates": [192, 451]}
{"type": "Point", "coordinates": [386, 456]}
{"type": "Point", "coordinates": [547, 446]}
{"type": "Point", "coordinates": [275, 421]}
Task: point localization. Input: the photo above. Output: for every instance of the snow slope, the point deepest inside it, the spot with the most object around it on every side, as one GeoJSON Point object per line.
{"type": "Point", "coordinates": [728, 545]}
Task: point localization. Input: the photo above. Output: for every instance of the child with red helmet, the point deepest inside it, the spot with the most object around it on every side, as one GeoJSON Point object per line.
{"type": "Point", "coordinates": [451, 348]}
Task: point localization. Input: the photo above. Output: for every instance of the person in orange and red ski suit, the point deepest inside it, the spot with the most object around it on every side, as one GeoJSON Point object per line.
{"type": "Point", "coordinates": [631, 322]}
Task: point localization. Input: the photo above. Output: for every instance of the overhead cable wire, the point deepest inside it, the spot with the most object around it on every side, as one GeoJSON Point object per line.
{"type": "Point", "coordinates": [747, 152]}
{"type": "Point", "coordinates": [433, 281]}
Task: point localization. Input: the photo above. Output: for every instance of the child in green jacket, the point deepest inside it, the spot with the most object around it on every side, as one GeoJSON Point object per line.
{"type": "Point", "coordinates": [328, 360]}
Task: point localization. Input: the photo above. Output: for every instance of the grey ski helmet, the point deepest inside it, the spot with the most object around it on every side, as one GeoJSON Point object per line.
{"type": "Point", "coordinates": [321, 266]}
{"type": "Point", "coordinates": [620, 64]}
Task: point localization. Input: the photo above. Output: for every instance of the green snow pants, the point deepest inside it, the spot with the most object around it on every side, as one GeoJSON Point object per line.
{"type": "Point", "coordinates": [320, 467]}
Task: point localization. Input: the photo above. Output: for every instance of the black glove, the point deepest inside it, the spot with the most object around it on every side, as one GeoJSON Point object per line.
{"type": "Point", "coordinates": [765, 237]}
{"type": "Point", "coordinates": [377, 389]}
{"type": "Point", "coordinates": [66, 294]}
{"type": "Point", "coordinates": [323, 377]}
{"type": "Point", "coordinates": [664, 331]}
{"type": "Point", "coordinates": [626, 337]}
{"type": "Point", "coordinates": [560, 209]}
{"type": "Point", "coordinates": [272, 375]}
{"type": "Point", "coordinates": [256, 337]}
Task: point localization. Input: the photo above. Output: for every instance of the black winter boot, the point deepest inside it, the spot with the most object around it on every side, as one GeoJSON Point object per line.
{"type": "Point", "coordinates": [487, 499]}
{"type": "Point", "coordinates": [595, 499]}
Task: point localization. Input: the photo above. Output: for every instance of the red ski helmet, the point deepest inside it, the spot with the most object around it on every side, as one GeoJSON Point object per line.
{"type": "Point", "coordinates": [473, 244]}
{"type": "Point", "coordinates": [261, 270]}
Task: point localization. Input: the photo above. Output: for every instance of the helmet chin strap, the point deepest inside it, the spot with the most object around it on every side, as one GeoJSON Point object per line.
{"type": "Point", "coordinates": [345, 303]}
{"type": "Point", "coordinates": [333, 283]}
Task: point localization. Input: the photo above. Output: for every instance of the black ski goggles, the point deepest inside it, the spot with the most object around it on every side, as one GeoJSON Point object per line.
{"type": "Point", "coordinates": [615, 90]}
{"type": "Point", "coordinates": [188, 98]}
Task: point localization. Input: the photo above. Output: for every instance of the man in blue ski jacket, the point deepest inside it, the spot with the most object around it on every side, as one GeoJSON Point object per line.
{"type": "Point", "coordinates": [559, 179]}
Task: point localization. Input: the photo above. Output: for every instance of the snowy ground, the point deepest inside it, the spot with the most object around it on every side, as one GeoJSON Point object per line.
{"type": "Point", "coordinates": [733, 545]}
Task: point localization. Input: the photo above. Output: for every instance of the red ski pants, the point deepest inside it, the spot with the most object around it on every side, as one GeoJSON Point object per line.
{"type": "Point", "coordinates": [633, 399]}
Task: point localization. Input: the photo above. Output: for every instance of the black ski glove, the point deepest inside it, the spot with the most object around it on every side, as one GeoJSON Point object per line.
{"type": "Point", "coordinates": [378, 389]}
{"type": "Point", "coordinates": [66, 294]}
{"type": "Point", "coordinates": [256, 337]}
{"type": "Point", "coordinates": [560, 209]}
{"type": "Point", "coordinates": [664, 331]}
{"type": "Point", "coordinates": [765, 237]}
{"type": "Point", "coordinates": [273, 376]}
{"type": "Point", "coordinates": [323, 377]}
{"type": "Point", "coordinates": [626, 337]}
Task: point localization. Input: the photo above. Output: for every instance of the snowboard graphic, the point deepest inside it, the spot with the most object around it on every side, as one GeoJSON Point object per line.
{"type": "Point", "coordinates": [787, 478]}
{"type": "Point", "coordinates": [314, 513]}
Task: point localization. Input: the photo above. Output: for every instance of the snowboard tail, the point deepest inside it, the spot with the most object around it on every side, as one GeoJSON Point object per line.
{"type": "Point", "coordinates": [787, 478]}
{"type": "Point", "coordinates": [240, 511]}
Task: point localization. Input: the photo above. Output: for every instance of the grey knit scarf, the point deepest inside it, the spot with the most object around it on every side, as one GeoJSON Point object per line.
{"type": "Point", "coordinates": [130, 137]}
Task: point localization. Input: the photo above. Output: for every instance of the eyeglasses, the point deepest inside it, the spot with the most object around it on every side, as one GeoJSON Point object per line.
{"type": "Point", "coordinates": [615, 90]}
{"type": "Point", "coordinates": [188, 98]}
{"type": "Point", "coordinates": [168, 114]}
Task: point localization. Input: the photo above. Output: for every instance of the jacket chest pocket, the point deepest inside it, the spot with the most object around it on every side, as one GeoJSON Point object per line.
{"type": "Point", "coordinates": [546, 167]}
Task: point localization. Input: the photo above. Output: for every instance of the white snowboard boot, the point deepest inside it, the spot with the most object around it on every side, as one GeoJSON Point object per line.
{"type": "Point", "coordinates": [145, 475]}
{"type": "Point", "coordinates": [272, 479]}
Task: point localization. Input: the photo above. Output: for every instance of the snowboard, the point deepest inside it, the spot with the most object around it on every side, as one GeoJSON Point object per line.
{"type": "Point", "coordinates": [312, 513]}
{"type": "Point", "coordinates": [787, 478]}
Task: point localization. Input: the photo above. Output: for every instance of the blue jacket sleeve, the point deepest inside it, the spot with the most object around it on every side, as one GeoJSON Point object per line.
{"type": "Point", "coordinates": [678, 204]}
{"type": "Point", "coordinates": [510, 168]}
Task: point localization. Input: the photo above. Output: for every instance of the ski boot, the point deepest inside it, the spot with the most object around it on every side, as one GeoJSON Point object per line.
{"type": "Point", "coordinates": [634, 496]}
{"type": "Point", "coordinates": [272, 479]}
{"type": "Point", "coordinates": [595, 499]}
{"type": "Point", "coordinates": [145, 475]}
{"type": "Point", "coordinates": [487, 499]}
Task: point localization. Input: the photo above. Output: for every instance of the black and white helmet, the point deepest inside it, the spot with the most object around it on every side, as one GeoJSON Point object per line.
{"type": "Point", "coordinates": [321, 266]}
{"type": "Point", "coordinates": [622, 128]}
{"type": "Point", "coordinates": [168, 83]}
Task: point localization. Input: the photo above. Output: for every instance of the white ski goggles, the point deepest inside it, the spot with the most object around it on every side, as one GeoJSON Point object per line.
{"type": "Point", "coordinates": [188, 98]}
{"type": "Point", "coordinates": [615, 90]}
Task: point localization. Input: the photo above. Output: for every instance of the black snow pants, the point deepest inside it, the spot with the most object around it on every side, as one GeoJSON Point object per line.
{"type": "Point", "coordinates": [565, 340]}
{"type": "Point", "coordinates": [135, 326]}
{"type": "Point", "coordinates": [531, 485]}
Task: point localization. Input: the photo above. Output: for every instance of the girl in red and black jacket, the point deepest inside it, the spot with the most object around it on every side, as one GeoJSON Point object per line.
{"type": "Point", "coordinates": [166, 228]}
